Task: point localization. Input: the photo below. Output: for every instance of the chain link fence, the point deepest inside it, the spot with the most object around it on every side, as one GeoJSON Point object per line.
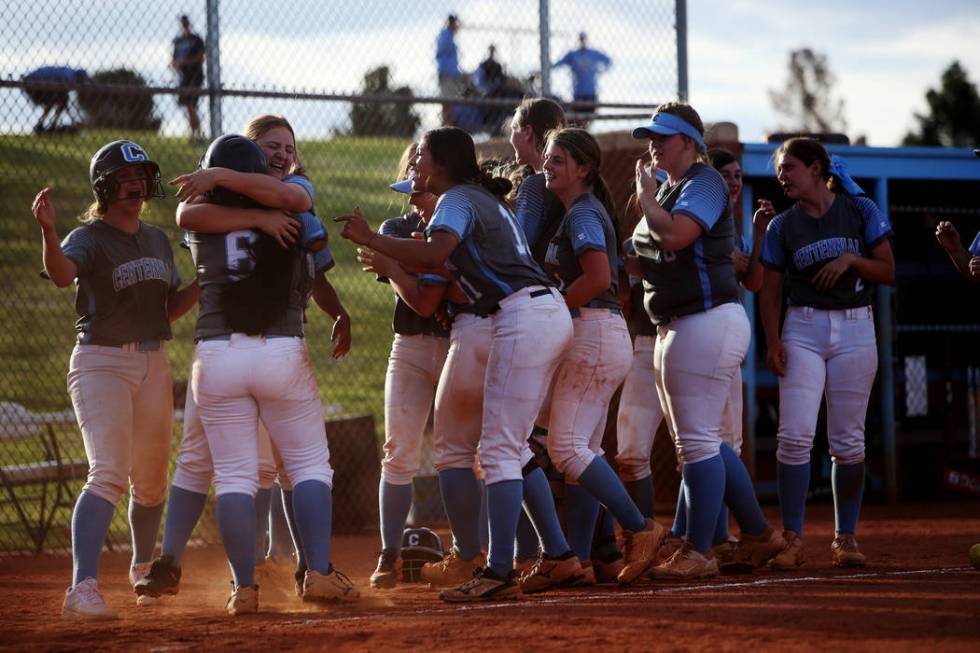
{"type": "Point", "coordinates": [358, 81]}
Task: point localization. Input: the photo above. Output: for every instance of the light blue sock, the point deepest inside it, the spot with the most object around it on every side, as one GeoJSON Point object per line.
{"type": "Point", "coordinates": [184, 509]}
{"type": "Point", "coordinates": [641, 491]}
{"type": "Point", "coordinates": [539, 504]}
{"type": "Point", "coordinates": [89, 524]}
{"type": "Point", "coordinates": [484, 517]}
{"type": "Point", "coordinates": [144, 525]}
{"type": "Point", "coordinates": [704, 485]}
{"type": "Point", "coordinates": [313, 504]}
{"type": "Point", "coordinates": [604, 546]}
{"type": "Point", "coordinates": [848, 482]}
{"type": "Point", "coordinates": [679, 529]}
{"type": "Point", "coordinates": [581, 513]}
{"type": "Point", "coordinates": [601, 481]}
{"type": "Point", "coordinates": [721, 527]}
{"type": "Point", "coordinates": [792, 484]}
{"type": "Point", "coordinates": [280, 540]}
{"type": "Point", "coordinates": [462, 498]}
{"type": "Point", "coordinates": [527, 539]}
{"type": "Point", "coordinates": [503, 507]}
{"type": "Point", "coordinates": [235, 515]}
{"type": "Point", "coordinates": [394, 502]}
{"type": "Point", "coordinates": [263, 502]}
{"type": "Point", "coordinates": [740, 494]}
{"type": "Point", "coordinates": [287, 508]}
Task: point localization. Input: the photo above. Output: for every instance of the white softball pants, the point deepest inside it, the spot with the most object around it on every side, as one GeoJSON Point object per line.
{"type": "Point", "coordinates": [830, 353]}
{"type": "Point", "coordinates": [123, 400]}
{"type": "Point", "coordinates": [639, 413]}
{"type": "Point", "coordinates": [591, 370]}
{"type": "Point", "coordinates": [695, 361]}
{"type": "Point", "coordinates": [238, 381]}
{"type": "Point", "coordinates": [530, 335]}
{"type": "Point", "coordinates": [414, 367]}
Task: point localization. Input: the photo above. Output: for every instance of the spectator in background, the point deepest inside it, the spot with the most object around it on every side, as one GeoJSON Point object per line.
{"type": "Point", "coordinates": [586, 64]}
{"type": "Point", "coordinates": [452, 80]}
{"type": "Point", "coordinates": [188, 63]}
{"type": "Point", "coordinates": [489, 76]}
{"type": "Point", "coordinates": [55, 98]}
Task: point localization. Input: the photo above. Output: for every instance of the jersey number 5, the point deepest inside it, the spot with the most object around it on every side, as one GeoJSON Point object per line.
{"type": "Point", "coordinates": [238, 251]}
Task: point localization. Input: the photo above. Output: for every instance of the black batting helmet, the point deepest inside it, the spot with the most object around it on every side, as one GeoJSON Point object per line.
{"type": "Point", "coordinates": [419, 546]}
{"type": "Point", "coordinates": [235, 152]}
{"type": "Point", "coordinates": [114, 157]}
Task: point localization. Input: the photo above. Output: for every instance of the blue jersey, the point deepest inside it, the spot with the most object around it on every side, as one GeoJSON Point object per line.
{"type": "Point", "coordinates": [124, 283]}
{"type": "Point", "coordinates": [585, 64]}
{"type": "Point", "coordinates": [406, 321]}
{"type": "Point", "coordinates": [975, 246]}
{"type": "Point", "coordinates": [800, 245]}
{"type": "Point", "coordinates": [447, 58]}
{"type": "Point", "coordinates": [702, 275]}
{"type": "Point", "coordinates": [539, 212]}
{"type": "Point", "coordinates": [492, 260]}
{"type": "Point", "coordinates": [586, 226]}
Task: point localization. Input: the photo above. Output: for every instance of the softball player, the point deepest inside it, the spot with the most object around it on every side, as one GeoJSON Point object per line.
{"type": "Point", "coordinates": [418, 353]}
{"type": "Point", "coordinates": [685, 244]}
{"type": "Point", "coordinates": [284, 186]}
{"type": "Point", "coordinates": [584, 256]}
{"type": "Point", "coordinates": [477, 237]}
{"type": "Point", "coordinates": [119, 376]}
{"type": "Point", "coordinates": [831, 247]}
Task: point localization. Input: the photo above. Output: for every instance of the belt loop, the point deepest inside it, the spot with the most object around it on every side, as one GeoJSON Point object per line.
{"type": "Point", "coordinates": [808, 312]}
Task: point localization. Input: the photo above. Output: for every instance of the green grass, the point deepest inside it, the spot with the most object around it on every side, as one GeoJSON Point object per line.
{"type": "Point", "coordinates": [37, 318]}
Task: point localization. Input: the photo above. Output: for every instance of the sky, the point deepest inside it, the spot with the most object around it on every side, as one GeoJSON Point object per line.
{"type": "Point", "coordinates": [885, 55]}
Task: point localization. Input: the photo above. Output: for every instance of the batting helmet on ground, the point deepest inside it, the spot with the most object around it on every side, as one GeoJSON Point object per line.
{"type": "Point", "coordinates": [419, 546]}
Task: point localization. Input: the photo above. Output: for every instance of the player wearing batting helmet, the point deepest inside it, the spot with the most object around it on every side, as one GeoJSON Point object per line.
{"type": "Point", "coordinates": [829, 248]}
{"type": "Point", "coordinates": [119, 376]}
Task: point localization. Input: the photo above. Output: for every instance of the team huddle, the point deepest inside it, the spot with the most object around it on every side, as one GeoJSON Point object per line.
{"type": "Point", "coordinates": [523, 302]}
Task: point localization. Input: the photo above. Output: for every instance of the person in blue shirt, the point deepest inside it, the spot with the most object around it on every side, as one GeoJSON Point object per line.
{"type": "Point", "coordinates": [49, 99]}
{"type": "Point", "coordinates": [586, 65]}
{"type": "Point", "coordinates": [452, 80]}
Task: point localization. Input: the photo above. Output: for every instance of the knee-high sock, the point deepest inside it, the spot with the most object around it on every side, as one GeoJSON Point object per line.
{"type": "Point", "coordinates": [539, 504]}
{"type": "Point", "coordinates": [287, 508]}
{"type": "Point", "coordinates": [236, 522]}
{"type": "Point", "coordinates": [793, 483]}
{"type": "Point", "coordinates": [641, 491]}
{"type": "Point", "coordinates": [484, 517]}
{"type": "Point", "coordinates": [679, 529]}
{"type": "Point", "coordinates": [394, 502]}
{"type": "Point", "coordinates": [848, 482]}
{"type": "Point", "coordinates": [740, 494]}
{"type": "Point", "coordinates": [526, 542]}
{"type": "Point", "coordinates": [601, 481]}
{"type": "Point", "coordinates": [89, 524]}
{"type": "Point", "coordinates": [263, 501]}
{"type": "Point", "coordinates": [184, 509]}
{"type": "Point", "coordinates": [461, 497]}
{"type": "Point", "coordinates": [604, 545]}
{"type": "Point", "coordinates": [313, 505]}
{"type": "Point", "coordinates": [144, 525]}
{"type": "Point", "coordinates": [721, 527]}
{"type": "Point", "coordinates": [581, 514]}
{"type": "Point", "coordinates": [503, 507]}
{"type": "Point", "coordinates": [704, 485]}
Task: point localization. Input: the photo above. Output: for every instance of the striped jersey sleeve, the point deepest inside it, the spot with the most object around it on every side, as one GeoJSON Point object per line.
{"type": "Point", "coordinates": [773, 254]}
{"type": "Point", "coordinates": [454, 213]}
{"type": "Point", "coordinates": [703, 198]}
{"type": "Point", "coordinates": [876, 226]}
{"type": "Point", "coordinates": [975, 246]}
{"type": "Point", "coordinates": [586, 229]}
{"type": "Point", "coordinates": [300, 180]}
{"type": "Point", "coordinates": [529, 208]}
{"type": "Point", "coordinates": [80, 246]}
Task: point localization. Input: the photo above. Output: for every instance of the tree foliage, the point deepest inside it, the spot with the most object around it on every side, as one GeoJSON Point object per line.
{"type": "Point", "coordinates": [954, 113]}
{"type": "Point", "coordinates": [807, 100]}
{"type": "Point", "coordinates": [120, 111]}
{"type": "Point", "coordinates": [383, 118]}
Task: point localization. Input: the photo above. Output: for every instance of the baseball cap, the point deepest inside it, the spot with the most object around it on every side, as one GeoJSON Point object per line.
{"type": "Point", "coordinates": [667, 124]}
{"type": "Point", "coordinates": [404, 186]}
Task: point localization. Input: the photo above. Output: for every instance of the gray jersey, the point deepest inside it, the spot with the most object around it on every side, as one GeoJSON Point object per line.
{"type": "Point", "coordinates": [222, 259]}
{"type": "Point", "coordinates": [124, 283]}
{"type": "Point", "coordinates": [492, 260]}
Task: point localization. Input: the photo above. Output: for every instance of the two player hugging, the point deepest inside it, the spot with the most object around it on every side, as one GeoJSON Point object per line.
{"type": "Point", "coordinates": [475, 257]}
{"type": "Point", "coordinates": [260, 253]}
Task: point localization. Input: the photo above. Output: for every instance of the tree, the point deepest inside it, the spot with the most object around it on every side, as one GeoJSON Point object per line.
{"type": "Point", "coordinates": [119, 111]}
{"type": "Point", "coordinates": [383, 118]}
{"type": "Point", "coordinates": [954, 113]}
{"type": "Point", "coordinates": [807, 100]}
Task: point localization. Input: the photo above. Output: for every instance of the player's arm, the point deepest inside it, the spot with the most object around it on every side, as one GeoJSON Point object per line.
{"type": "Point", "coordinates": [770, 306]}
{"type": "Point", "coordinates": [216, 219]}
{"type": "Point", "coordinates": [949, 239]}
{"type": "Point", "coordinates": [326, 298]}
{"type": "Point", "coordinates": [593, 281]}
{"type": "Point", "coordinates": [264, 189]}
{"type": "Point", "coordinates": [422, 298]}
{"type": "Point", "coordinates": [59, 268]}
{"type": "Point", "coordinates": [753, 277]}
{"type": "Point", "coordinates": [671, 231]}
{"type": "Point", "coordinates": [878, 268]}
{"type": "Point", "coordinates": [431, 253]}
{"type": "Point", "coordinates": [183, 300]}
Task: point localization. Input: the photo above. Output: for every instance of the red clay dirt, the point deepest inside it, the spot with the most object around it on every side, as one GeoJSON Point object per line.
{"type": "Point", "coordinates": [917, 592]}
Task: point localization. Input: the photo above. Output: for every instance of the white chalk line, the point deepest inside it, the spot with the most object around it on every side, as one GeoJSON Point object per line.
{"type": "Point", "coordinates": [628, 594]}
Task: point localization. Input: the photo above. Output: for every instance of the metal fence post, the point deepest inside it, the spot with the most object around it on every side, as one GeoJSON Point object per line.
{"type": "Point", "coordinates": [214, 68]}
{"type": "Point", "coordinates": [886, 365]}
{"type": "Point", "coordinates": [544, 44]}
{"type": "Point", "coordinates": [680, 27]}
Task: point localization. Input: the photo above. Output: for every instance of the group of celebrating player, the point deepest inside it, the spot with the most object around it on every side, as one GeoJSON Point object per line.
{"type": "Point", "coordinates": [512, 297]}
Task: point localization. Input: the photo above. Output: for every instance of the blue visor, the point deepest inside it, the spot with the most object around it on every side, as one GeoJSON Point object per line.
{"type": "Point", "coordinates": [667, 124]}
{"type": "Point", "coordinates": [403, 186]}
